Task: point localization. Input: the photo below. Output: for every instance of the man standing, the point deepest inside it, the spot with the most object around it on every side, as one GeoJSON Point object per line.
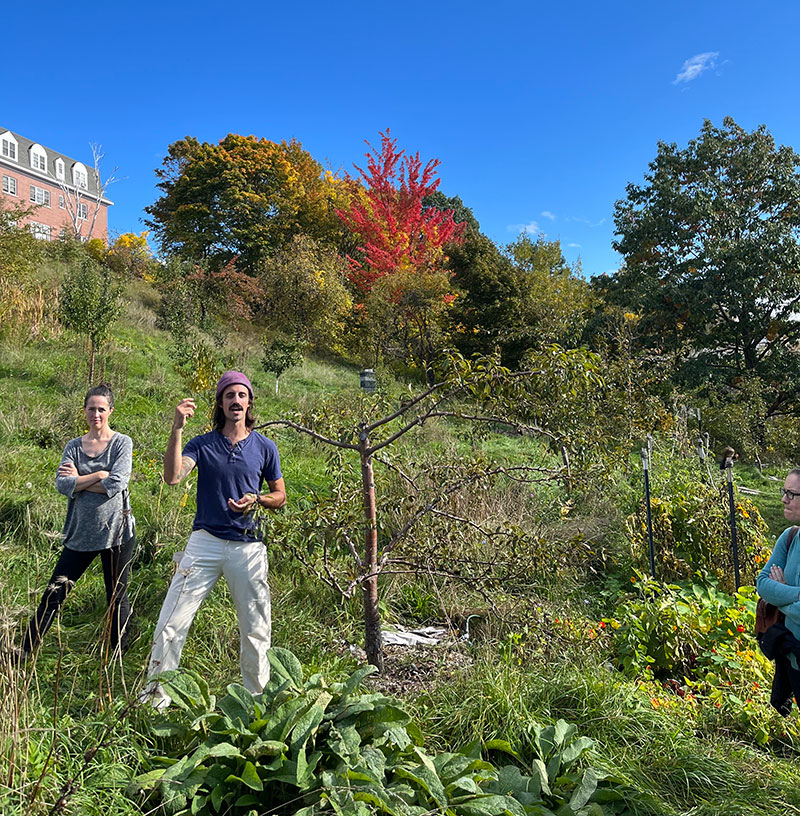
{"type": "Point", "coordinates": [233, 461]}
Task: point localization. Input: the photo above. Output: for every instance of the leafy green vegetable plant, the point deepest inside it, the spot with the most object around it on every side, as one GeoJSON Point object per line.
{"type": "Point", "coordinates": [308, 747]}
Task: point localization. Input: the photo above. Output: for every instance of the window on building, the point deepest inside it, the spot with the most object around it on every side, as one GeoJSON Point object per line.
{"type": "Point", "coordinates": [61, 203]}
{"type": "Point", "coordinates": [60, 169]}
{"type": "Point", "coordinates": [40, 196]}
{"type": "Point", "coordinates": [8, 148]}
{"type": "Point", "coordinates": [38, 158]}
{"type": "Point", "coordinates": [80, 177]}
{"type": "Point", "coordinates": [9, 185]}
{"type": "Point", "coordinates": [83, 211]}
{"type": "Point", "coordinates": [41, 231]}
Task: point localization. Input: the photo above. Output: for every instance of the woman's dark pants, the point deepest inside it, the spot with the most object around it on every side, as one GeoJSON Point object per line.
{"type": "Point", "coordinates": [71, 565]}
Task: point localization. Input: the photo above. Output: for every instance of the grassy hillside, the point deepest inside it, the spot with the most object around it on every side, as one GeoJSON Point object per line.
{"type": "Point", "coordinates": [564, 632]}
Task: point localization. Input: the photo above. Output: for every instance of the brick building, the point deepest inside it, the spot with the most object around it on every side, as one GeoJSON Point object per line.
{"type": "Point", "coordinates": [64, 192]}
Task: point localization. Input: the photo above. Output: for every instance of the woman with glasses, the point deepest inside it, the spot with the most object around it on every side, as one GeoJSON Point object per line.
{"type": "Point", "coordinates": [779, 584]}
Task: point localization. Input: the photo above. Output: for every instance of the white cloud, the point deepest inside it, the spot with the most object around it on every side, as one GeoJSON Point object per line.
{"type": "Point", "coordinates": [548, 214]}
{"type": "Point", "coordinates": [574, 246]}
{"type": "Point", "coordinates": [586, 221]}
{"type": "Point", "coordinates": [694, 66]}
{"type": "Point", "coordinates": [532, 228]}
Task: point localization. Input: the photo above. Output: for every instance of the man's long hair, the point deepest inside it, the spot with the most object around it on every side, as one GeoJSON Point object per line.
{"type": "Point", "coordinates": [218, 420]}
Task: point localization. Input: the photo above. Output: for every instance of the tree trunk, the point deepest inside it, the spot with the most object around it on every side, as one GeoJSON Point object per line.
{"type": "Point", "coordinates": [373, 643]}
{"type": "Point", "coordinates": [92, 351]}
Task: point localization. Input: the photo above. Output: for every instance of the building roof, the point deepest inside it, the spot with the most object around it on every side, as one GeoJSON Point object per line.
{"type": "Point", "coordinates": [23, 162]}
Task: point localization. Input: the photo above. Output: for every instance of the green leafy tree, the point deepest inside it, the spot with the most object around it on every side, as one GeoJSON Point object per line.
{"type": "Point", "coordinates": [453, 204]}
{"type": "Point", "coordinates": [406, 319]}
{"type": "Point", "coordinates": [20, 252]}
{"type": "Point", "coordinates": [528, 297]}
{"type": "Point", "coordinates": [554, 298]}
{"type": "Point", "coordinates": [304, 293]}
{"type": "Point", "coordinates": [244, 197]}
{"type": "Point", "coordinates": [23, 305]}
{"type": "Point", "coordinates": [488, 293]}
{"type": "Point", "coordinates": [280, 353]}
{"type": "Point", "coordinates": [710, 243]}
{"type": "Point", "coordinates": [90, 301]}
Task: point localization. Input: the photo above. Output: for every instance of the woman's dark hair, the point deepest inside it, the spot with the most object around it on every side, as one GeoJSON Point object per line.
{"type": "Point", "coordinates": [218, 419]}
{"type": "Point", "coordinates": [101, 390]}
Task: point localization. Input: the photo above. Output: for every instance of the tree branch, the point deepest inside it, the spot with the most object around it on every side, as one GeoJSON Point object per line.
{"type": "Point", "coordinates": [397, 470]}
{"type": "Point", "coordinates": [403, 409]}
{"type": "Point", "coordinates": [443, 494]}
{"type": "Point", "coordinates": [287, 423]}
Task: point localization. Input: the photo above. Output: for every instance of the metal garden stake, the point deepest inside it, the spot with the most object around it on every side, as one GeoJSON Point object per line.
{"type": "Point", "coordinates": [734, 545]}
{"type": "Point", "coordinates": [646, 466]}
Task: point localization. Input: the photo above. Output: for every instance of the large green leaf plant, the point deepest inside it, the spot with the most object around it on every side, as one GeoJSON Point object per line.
{"type": "Point", "coordinates": [307, 747]}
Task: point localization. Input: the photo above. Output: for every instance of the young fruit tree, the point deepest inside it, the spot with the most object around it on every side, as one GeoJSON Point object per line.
{"type": "Point", "coordinates": [90, 301]}
{"type": "Point", "coordinates": [369, 432]}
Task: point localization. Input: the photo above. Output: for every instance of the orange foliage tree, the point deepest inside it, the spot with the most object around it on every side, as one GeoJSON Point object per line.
{"type": "Point", "coordinates": [244, 197]}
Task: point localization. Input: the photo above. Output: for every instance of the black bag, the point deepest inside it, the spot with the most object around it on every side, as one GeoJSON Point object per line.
{"type": "Point", "coordinates": [766, 613]}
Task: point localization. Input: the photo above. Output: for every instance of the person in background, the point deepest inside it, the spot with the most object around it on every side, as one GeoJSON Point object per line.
{"type": "Point", "coordinates": [233, 462]}
{"type": "Point", "coordinates": [94, 473]}
{"type": "Point", "coordinates": [778, 584]}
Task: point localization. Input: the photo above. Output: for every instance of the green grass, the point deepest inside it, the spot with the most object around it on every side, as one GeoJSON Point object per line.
{"type": "Point", "coordinates": [768, 499]}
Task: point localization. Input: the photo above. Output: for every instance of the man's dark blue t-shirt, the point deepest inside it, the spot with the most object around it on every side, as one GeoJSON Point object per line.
{"type": "Point", "coordinates": [226, 471]}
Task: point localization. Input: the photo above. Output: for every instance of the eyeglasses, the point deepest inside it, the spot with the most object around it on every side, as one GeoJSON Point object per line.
{"type": "Point", "coordinates": [790, 494]}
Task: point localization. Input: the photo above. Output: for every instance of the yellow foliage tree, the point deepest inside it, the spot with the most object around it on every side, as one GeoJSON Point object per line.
{"type": "Point", "coordinates": [130, 254]}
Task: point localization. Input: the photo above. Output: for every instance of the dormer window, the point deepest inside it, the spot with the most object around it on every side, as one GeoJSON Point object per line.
{"type": "Point", "coordinates": [38, 158]}
{"type": "Point", "coordinates": [8, 146]}
{"type": "Point", "coordinates": [60, 169]}
{"type": "Point", "coordinates": [80, 177]}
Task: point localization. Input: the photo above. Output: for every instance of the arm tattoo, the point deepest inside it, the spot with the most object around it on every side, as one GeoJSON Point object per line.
{"type": "Point", "coordinates": [186, 468]}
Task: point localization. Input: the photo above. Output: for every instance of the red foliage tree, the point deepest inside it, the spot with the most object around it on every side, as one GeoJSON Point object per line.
{"type": "Point", "coordinates": [396, 232]}
{"type": "Point", "coordinates": [230, 292]}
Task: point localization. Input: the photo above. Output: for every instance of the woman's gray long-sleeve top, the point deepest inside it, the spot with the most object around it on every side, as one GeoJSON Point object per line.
{"type": "Point", "coordinates": [95, 520]}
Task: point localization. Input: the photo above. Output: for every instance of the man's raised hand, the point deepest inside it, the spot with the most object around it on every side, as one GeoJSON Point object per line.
{"type": "Point", "coordinates": [183, 410]}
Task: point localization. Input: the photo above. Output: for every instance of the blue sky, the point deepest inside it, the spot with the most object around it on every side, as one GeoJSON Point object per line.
{"type": "Point", "coordinates": [540, 113]}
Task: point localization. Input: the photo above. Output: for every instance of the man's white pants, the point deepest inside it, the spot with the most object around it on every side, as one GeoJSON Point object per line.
{"type": "Point", "coordinates": [244, 565]}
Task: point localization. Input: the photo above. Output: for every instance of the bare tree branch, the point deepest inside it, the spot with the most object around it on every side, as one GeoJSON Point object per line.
{"type": "Point", "coordinates": [467, 522]}
{"type": "Point", "coordinates": [74, 196]}
{"type": "Point", "coordinates": [352, 547]}
{"type": "Point", "coordinates": [403, 408]}
{"type": "Point", "coordinates": [287, 423]}
{"type": "Point", "coordinates": [446, 492]}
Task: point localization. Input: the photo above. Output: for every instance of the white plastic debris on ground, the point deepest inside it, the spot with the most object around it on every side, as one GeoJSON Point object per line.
{"type": "Point", "coordinates": [425, 636]}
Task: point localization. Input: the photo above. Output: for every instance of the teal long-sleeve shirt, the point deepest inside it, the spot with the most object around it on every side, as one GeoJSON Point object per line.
{"type": "Point", "coordinates": [785, 596]}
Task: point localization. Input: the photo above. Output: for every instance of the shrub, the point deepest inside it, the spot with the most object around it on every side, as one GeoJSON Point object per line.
{"type": "Point", "coordinates": [691, 532]}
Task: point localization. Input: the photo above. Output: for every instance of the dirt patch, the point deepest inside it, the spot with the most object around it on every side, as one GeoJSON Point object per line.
{"type": "Point", "coordinates": [410, 670]}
